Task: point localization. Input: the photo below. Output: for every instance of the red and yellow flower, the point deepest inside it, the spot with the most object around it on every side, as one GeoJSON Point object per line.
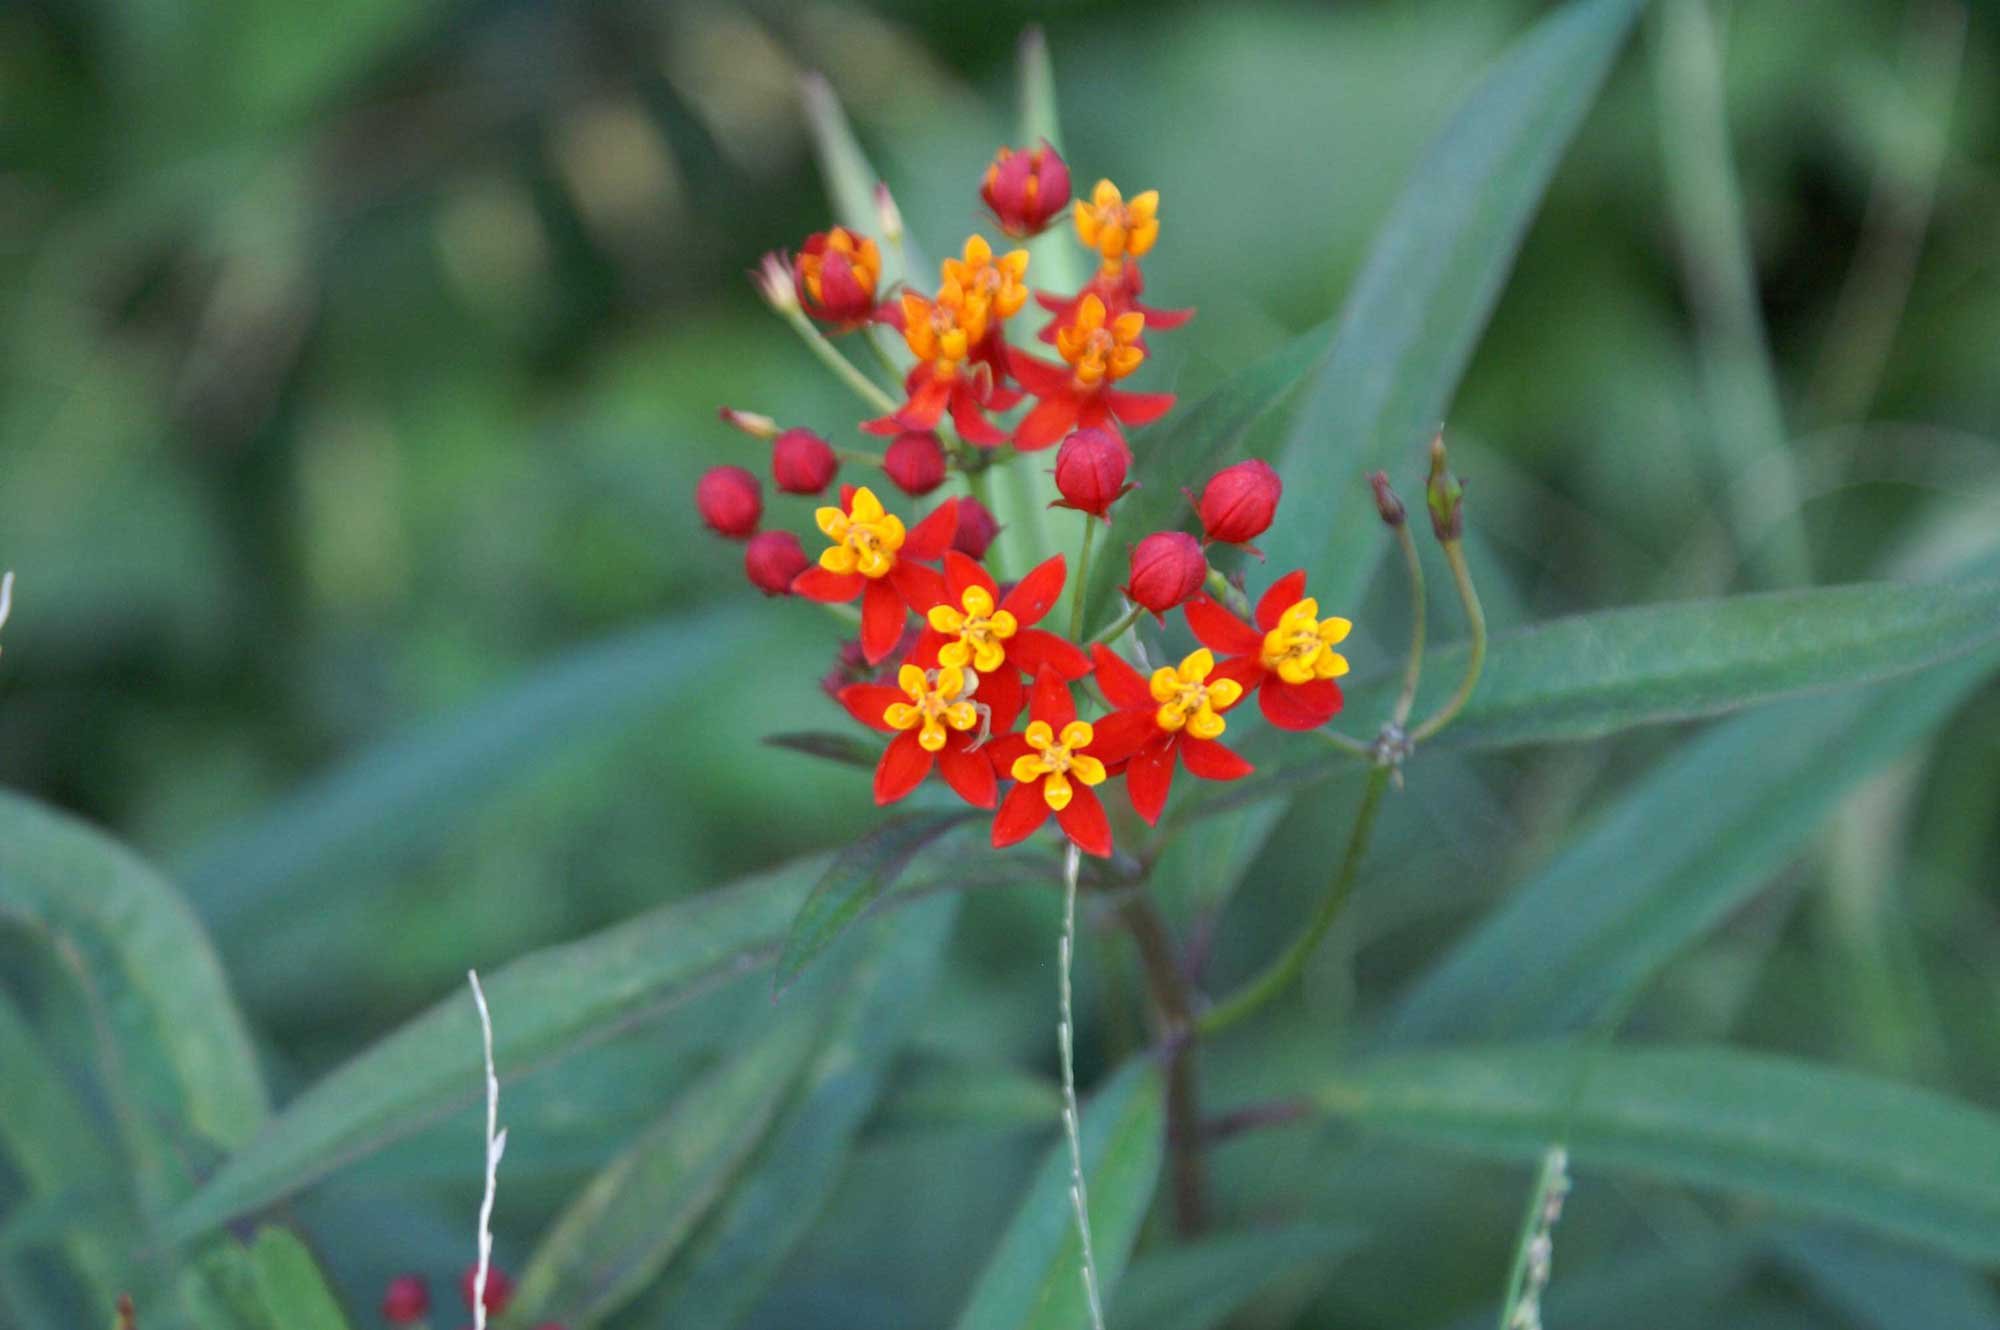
{"type": "Point", "coordinates": [836, 272]}
{"type": "Point", "coordinates": [874, 557]}
{"type": "Point", "coordinates": [974, 627]}
{"type": "Point", "coordinates": [1177, 714]}
{"type": "Point", "coordinates": [1120, 230]}
{"type": "Point", "coordinates": [1288, 659]}
{"type": "Point", "coordinates": [936, 724]}
{"type": "Point", "coordinates": [943, 334]}
{"type": "Point", "coordinates": [1056, 763]}
{"type": "Point", "coordinates": [1098, 350]}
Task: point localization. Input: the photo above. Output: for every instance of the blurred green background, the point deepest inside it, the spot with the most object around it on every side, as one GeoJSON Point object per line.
{"type": "Point", "coordinates": [360, 359]}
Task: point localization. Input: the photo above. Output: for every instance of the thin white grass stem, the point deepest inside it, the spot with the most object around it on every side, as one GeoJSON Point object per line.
{"type": "Point", "coordinates": [1079, 1194]}
{"type": "Point", "coordinates": [6, 597]}
{"type": "Point", "coordinates": [1535, 1249]}
{"type": "Point", "coordinates": [496, 1145]}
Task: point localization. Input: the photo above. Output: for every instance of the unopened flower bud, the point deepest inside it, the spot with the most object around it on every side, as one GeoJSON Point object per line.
{"type": "Point", "coordinates": [774, 281]}
{"type": "Point", "coordinates": [802, 462]}
{"type": "Point", "coordinates": [834, 275]}
{"type": "Point", "coordinates": [1026, 190]}
{"type": "Point", "coordinates": [976, 529]}
{"type": "Point", "coordinates": [1386, 502]}
{"type": "Point", "coordinates": [771, 559]}
{"type": "Point", "coordinates": [406, 1301]}
{"type": "Point", "coordinates": [887, 214]}
{"type": "Point", "coordinates": [730, 501]}
{"type": "Point", "coordinates": [499, 1288]}
{"type": "Point", "coordinates": [915, 461]}
{"type": "Point", "coordinates": [1239, 501]}
{"type": "Point", "coordinates": [1167, 568]}
{"type": "Point", "coordinates": [1090, 471]}
{"type": "Point", "coordinates": [755, 425]}
{"type": "Point", "coordinates": [1444, 495]}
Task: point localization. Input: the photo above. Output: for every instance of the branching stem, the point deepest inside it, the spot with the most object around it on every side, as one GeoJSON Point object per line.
{"type": "Point", "coordinates": [1475, 660]}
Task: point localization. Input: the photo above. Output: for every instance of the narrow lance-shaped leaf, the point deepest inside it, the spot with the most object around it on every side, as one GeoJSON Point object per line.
{"type": "Point", "coordinates": [1895, 1159]}
{"type": "Point", "coordinates": [1200, 1285]}
{"type": "Point", "coordinates": [1422, 299]}
{"type": "Point", "coordinates": [1034, 1279]}
{"type": "Point", "coordinates": [851, 180]}
{"type": "Point", "coordinates": [293, 1289]}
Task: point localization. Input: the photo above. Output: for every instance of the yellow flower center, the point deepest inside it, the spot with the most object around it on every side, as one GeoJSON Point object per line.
{"type": "Point", "coordinates": [1188, 701]}
{"type": "Point", "coordinates": [983, 286]}
{"type": "Point", "coordinates": [865, 537]}
{"type": "Point", "coordinates": [941, 332]}
{"type": "Point", "coordinates": [1057, 758]}
{"type": "Point", "coordinates": [1116, 228]}
{"type": "Point", "coordinates": [1096, 350]}
{"type": "Point", "coordinates": [937, 699]}
{"type": "Point", "coordinates": [979, 628]}
{"type": "Point", "coordinates": [1300, 648]}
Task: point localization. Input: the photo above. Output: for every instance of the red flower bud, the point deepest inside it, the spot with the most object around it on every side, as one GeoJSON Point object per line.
{"type": "Point", "coordinates": [976, 529]}
{"type": "Point", "coordinates": [1026, 190]}
{"type": "Point", "coordinates": [1239, 501]}
{"type": "Point", "coordinates": [772, 559]}
{"type": "Point", "coordinates": [730, 501]}
{"type": "Point", "coordinates": [1090, 471]}
{"type": "Point", "coordinates": [802, 462]}
{"type": "Point", "coordinates": [499, 1288]}
{"type": "Point", "coordinates": [406, 1301]}
{"type": "Point", "coordinates": [1167, 568]}
{"type": "Point", "coordinates": [915, 461]}
{"type": "Point", "coordinates": [834, 274]}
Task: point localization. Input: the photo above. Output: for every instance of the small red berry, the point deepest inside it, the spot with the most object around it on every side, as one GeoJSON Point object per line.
{"type": "Point", "coordinates": [976, 529]}
{"type": "Point", "coordinates": [1026, 190]}
{"type": "Point", "coordinates": [730, 501]}
{"type": "Point", "coordinates": [1167, 568]}
{"type": "Point", "coordinates": [802, 462]}
{"type": "Point", "coordinates": [1090, 471]}
{"type": "Point", "coordinates": [499, 1288]}
{"type": "Point", "coordinates": [1239, 501]}
{"type": "Point", "coordinates": [915, 461]}
{"type": "Point", "coordinates": [406, 1301]}
{"type": "Point", "coordinates": [772, 559]}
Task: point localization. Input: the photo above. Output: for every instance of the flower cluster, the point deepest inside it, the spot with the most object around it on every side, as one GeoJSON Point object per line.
{"type": "Point", "coordinates": [958, 667]}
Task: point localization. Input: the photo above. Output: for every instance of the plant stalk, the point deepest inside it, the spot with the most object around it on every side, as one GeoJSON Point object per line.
{"type": "Point", "coordinates": [1475, 660]}
{"type": "Point", "coordinates": [1173, 1003]}
{"type": "Point", "coordinates": [1414, 666]}
{"type": "Point", "coordinates": [1080, 588]}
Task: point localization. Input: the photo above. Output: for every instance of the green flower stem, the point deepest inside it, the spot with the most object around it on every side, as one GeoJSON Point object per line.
{"type": "Point", "coordinates": [1173, 1006]}
{"type": "Point", "coordinates": [882, 355]}
{"type": "Point", "coordinates": [1080, 586]}
{"type": "Point", "coordinates": [816, 341]}
{"type": "Point", "coordinates": [1413, 667]}
{"type": "Point", "coordinates": [847, 614]}
{"type": "Point", "coordinates": [1219, 588]}
{"type": "Point", "coordinates": [1118, 629]}
{"type": "Point", "coordinates": [1475, 659]}
{"type": "Point", "coordinates": [1278, 975]}
{"type": "Point", "coordinates": [1344, 743]}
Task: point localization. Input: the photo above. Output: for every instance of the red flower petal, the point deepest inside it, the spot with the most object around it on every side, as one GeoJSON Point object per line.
{"type": "Point", "coordinates": [1286, 592]}
{"type": "Point", "coordinates": [1033, 595]}
{"type": "Point", "coordinates": [1299, 706]}
{"type": "Point", "coordinates": [961, 572]}
{"type": "Point", "coordinates": [1039, 376]}
{"type": "Point", "coordinates": [973, 426]}
{"type": "Point", "coordinates": [1248, 671]}
{"type": "Point", "coordinates": [1002, 693]}
{"type": "Point", "coordinates": [928, 400]}
{"type": "Point", "coordinates": [1003, 750]}
{"type": "Point", "coordinates": [1121, 734]}
{"type": "Point", "coordinates": [1150, 777]}
{"type": "Point", "coordinates": [1052, 418]}
{"type": "Point", "coordinates": [929, 539]}
{"type": "Point", "coordinates": [1137, 409]}
{"type": "Point", "coordinates": [1032, 648]}
{"type": "Point", "coordinates": [1051, 702]}
{"type": "Point", "coordinates": [1125, 686]}
{"type": "Point", "coordinates": [1085, 823]}
{"type": "Point", "coordinates": [881, 620]}
{"type": "Point", "coordinates": [867, 701]}
{"type": "Point", "coordinates": [1021, 814]}
{"type": "Point", "coordinates": [816, 583]}
{"type": "Point", "coordinates": [904, 765]}
{"type": "Point", "coordinates": [1220, 631]}
{"type": "Point", "coordinates": [920, 587]}
{"type": "Point", "coordinates": [1211, 761]}
{"type": "Point", "coordinates": [925, 652]}
{"type": "Point", "coordinates": [968, 773]}
{"type": "Point", "coordinates": [1164, 320]}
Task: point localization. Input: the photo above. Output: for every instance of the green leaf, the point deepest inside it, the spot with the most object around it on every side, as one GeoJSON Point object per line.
{"type": "Point", "coordinates": [851, 180]}
{"type": "Point", "coordinates": [846, 749]}
{"type": "Point", "coordinates": [618, 1234]}
{"type": "Point", "coordinates": [175, 1055]}
{"type": "Point", "coordinates": [1052, 254]}
{"type": "Point", "coordinates": [1034, 1279]}
{"type": "Point", "coordinates": [1671, 857]}
{"type": "Point", "coordinates": [940, 1093]}
{"type": "Point", "coordinates": [407, 793]}
{"type": "Point", "coordinates": [1202, 1284]}
{"type": "Point", "coordinates": [1892, 1158]}
{"type": "Point", "coordinates": [1421, 301]}
{"type": "Point", "coordinates": [1888, 1287]}
{"type": "Point", "coordinates": [858, 875]}
{"type": "Point", "coordinates": [730, 1265]}
{"type": "Point", "coordinates": [289, 1281]}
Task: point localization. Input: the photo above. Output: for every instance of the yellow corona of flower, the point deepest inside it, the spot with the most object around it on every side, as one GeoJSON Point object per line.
{"type": "Point", "coordinates": [1056, 757]}
{"type": "Point", "coordinates": [865, 538]}
{"type": "Point", "coordinates": [981, 631]}
{"type": "Point", "coordinates": [1099, 351]}
{"type": "Point", "coordinates": [985, 287]}
{"type": "Point", "coordinates": [936, 701]}
{"type": "Point", "coordinates": [1300, 648]}
{"type": "Point", "coordinates": [1115, 227]}
{"type": "Point", "coordinates": [940, 332]}
{"type": "Point", "coordinates": [1189, 701]}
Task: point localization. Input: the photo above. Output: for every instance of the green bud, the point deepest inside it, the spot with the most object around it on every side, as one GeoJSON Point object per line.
{"type": "Point", "coordinates": [1444, 495]}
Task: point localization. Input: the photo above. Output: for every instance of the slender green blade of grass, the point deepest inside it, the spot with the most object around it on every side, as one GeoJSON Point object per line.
{"type": "Point", "coordinates": [851, 180]}
{"type": "Point", "coordinates": [291, 1284]}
